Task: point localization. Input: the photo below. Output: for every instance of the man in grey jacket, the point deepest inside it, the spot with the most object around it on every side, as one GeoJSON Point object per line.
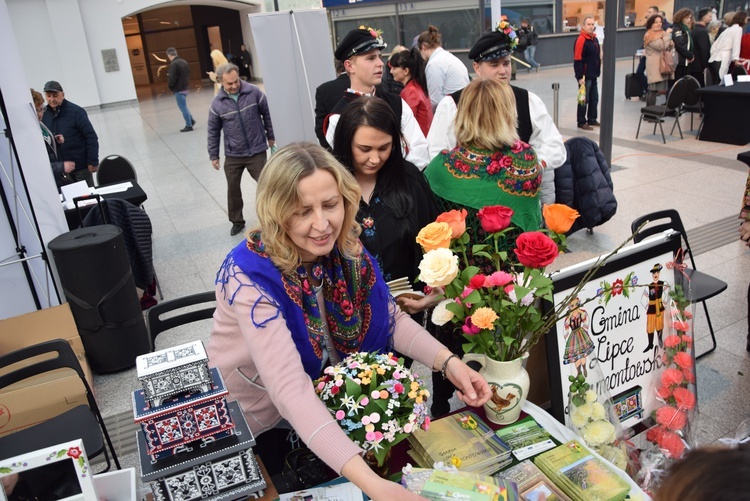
{"type": "Point", "coordinates": [241, 110]}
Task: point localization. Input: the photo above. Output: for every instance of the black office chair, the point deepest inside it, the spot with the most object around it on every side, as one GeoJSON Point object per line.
{"type": "Point", "coordinates": [114, 169]}
{"type": "Point", "coordinates": [692, 103]}
{"type": "Point", "coordinates": [657, 113]}
{"type": "Point", "coordinates": [81, 422]}
{"type": "Point", "coordinates": [156, 324]}
{"type": "Point", "coordinates": [738, 70]}
{"type": "Point", "coordinates": [702, 286]}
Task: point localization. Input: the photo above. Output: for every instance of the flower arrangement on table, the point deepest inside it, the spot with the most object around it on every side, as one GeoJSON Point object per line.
{"type": "Point", "coordinates": [375, 399]}
{"type": "Point", "coordinates": [499, 312]}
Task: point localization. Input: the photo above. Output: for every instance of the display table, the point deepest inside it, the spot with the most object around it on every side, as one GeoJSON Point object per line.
{"type": "Point", "coordinates": [725, 112]}
{"type": "Point", "coordinates": [134, 194]}
{"type": "Point", "coordinates": [560, 432]}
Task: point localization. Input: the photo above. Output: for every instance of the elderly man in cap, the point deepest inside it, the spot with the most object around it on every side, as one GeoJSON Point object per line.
{"type": "Point", "coordinates": [491, 55]}
{"type": "Point", "coordinates": [360, 52]}
{"type": "Point", "coordinates": [76, 137]}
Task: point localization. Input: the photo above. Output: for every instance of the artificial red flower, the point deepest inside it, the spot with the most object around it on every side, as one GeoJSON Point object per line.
{"type": "Point", "coordinates": [477, 281]}
{"type": "Point", "coordinates": [689, 375]}
{"type": "Point", "coordinates": [500, 279]}
{"type": "Point", "coordinates": [654, 434]}
{"type": "Point", "coordinates": [681, 325]}
{"type": "Point", "coordinates": [687, 314]}
{"type": "Point", "coordinates": [335, 390]}
{"type": "Point", "coordinates": [75, 452]}
{"type": "Point", "coordinates": [671, 417]}
{"type": "Point", "coordinates": [398, 388]}
{"type": "Point", "coordinates": [683, 359]}
{"type": "Point", "coordinates": [495, 218]}
{"type": "Point", "coordinates": [664, 392]}
{"type": "Point", "coordinates": [687, 340]}
{"type": "Point", "coordinates": [469, 328]}
{"type": "Point", "coordinates": [534, 249]}
{"type": "Point", "coordinates": [684, 398]}
{"type": "Point", "coordinates": [671, 377]}
{"type": "Point", "coordinates": [672, 444]}
{"type": "Point", "coordinates": [671, 341]}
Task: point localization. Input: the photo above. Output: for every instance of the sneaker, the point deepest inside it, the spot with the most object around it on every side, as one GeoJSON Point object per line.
{"type": "Point", "coordinates": [236, 228]}
{"type": "Point", "coordinates": [595, 124]}
{"type": "Point", "coordinates": [192, 120]}
{"type": "Point", "coordinates": [585, 127]}
{"type": "Point", "coordinates": [187, 128]}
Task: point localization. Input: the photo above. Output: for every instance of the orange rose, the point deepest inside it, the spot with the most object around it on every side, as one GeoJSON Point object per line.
{"type": "Point", "coordinates": [559, 218]}
{"type": "Point", "coordinates": [435, 236]}
{"type": "Point", "coordinates": [457, 221]}
{"type": "Point", "coordinates": [484, 317]}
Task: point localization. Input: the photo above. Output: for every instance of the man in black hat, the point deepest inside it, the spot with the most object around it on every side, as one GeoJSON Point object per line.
{"type": "Point", "coordinates": [655, 307]}
{"type": "Point", "coordinates": [76, 137]}
{"type": "Point", "coordinates": [492, 59]}
{"type": "Point", "coordinates": [360, 53]}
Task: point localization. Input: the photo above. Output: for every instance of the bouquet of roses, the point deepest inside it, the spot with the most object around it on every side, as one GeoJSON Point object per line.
{"type": "Point", "coordinates": [375, 399]}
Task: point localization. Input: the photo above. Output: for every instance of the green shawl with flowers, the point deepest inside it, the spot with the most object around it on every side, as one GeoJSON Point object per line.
{"type": "Point", "coordinates": [476, 178]}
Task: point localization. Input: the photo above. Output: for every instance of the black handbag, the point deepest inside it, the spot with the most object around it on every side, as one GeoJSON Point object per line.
{"type": "Point", "coordinates": [303, 469]}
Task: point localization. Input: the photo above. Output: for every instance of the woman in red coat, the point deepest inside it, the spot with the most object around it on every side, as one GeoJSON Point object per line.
{"type": "Point", "coordinates": [408, 68]}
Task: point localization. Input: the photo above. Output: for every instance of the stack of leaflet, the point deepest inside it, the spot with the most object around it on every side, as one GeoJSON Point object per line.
{"type": "Point", "coordinates": [531, 482]}
{"type": "Point", "coordinates": [461, 439]}
{"type": "Point", "coordinates": [526, 438]}
{"type": "Point", "coordinates": [444, 485]}
{"type": "Point", "coordinates": [402, 287]}
{"type": "Point", "coordinates": [583, 477]}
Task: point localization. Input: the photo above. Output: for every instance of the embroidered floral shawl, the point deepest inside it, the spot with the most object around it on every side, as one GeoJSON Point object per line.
{"type": "Point", "coordinates": [355, 296]}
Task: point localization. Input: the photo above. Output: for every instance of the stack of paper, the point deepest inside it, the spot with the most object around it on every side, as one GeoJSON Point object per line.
{"type": "Point", "coordinates": [462, 439]}
{"type": "Point", "coordinates": [533, 485]}
{"type": "Point", "coordinates": [443, 485]}
{"type": "Point", "coordinates": [526, 438]}
{"type": "Point", "coordinates": [580, 475]}
{"type": "Point", "coordinates": [402, 286]}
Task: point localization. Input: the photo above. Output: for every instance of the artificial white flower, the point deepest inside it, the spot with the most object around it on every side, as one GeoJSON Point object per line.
{"type": "Point", "coordinates": [442, 315]}
{"type": "Point", "coordinates": [598, 411]}
{"type": "Point", "coordinates": [591, 396]}
{"type": "Point", "coordinates": [598, 433]}
{"type": "Point", "coordinates": [438, 267]}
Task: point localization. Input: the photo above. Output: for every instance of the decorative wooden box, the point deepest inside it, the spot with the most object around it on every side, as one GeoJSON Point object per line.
{"type": "Point", "coordinates": [183, 419]}
{"type": "Point", "coordinates": [173, 371]}
{"type": "Point", "coordinates": [223, 469]}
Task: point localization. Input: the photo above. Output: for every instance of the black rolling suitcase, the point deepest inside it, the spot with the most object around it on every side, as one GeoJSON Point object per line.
{"type": "Point", "coordinates": [633, 87]}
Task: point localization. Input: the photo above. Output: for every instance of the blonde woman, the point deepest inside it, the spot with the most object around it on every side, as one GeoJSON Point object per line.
{"type": "Point", "coordinates": [218, 59]}
{"type": "Point", "coordinates": [301, 293]}
{"type": "Point", "coordinates": [490, 165]}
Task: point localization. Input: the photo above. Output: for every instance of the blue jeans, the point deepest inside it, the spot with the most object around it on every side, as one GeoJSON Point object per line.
{"type": "Point", "coordinates": [182, 105]}
{"type": "Point", "coordinates": [592, 103]}
{"type": "Point", "coordinates": [529, 55]}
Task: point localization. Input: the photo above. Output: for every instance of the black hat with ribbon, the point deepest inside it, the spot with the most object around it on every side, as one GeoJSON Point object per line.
{"type": "Point", "coordinates": [359, 41]}
{"type": "Point", "coordinates": [496, 44]}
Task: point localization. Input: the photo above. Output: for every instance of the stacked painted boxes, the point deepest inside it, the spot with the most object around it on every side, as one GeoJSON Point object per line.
{"type": "Point", "coordinates": [192, 443]}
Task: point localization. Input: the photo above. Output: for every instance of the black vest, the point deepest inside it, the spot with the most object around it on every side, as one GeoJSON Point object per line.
{"type": "Point", "coordinates": [393, 100]}
{"type": "Point", "coordinates": [524, 127]}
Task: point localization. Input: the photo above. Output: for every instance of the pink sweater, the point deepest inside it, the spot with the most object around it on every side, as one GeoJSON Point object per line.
{"type": "Point", "coordinates": [243, 352]}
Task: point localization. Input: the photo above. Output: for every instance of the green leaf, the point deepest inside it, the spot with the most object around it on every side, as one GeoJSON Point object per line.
{"type": "Point", "coordinates": [5, 470]}
{"type": "Point", "coordinates": [464, 239]}
{"type": "Point", "coordinates": [474, 297]}
{"type": "Point", "coordinates": [81, 461]}
{"type": "Point", "coordinates": [483, 254]}
{"type": "Point", "coordinates": [62, 453]}
{"type": "Point", "coordinates": [469, 273]}
{"type": "Point", "coordinates": [456, 309]}
{"type": "Point", "coordinates": [352, 388]}
{"type": "Point", "coordinates": [479, 248]}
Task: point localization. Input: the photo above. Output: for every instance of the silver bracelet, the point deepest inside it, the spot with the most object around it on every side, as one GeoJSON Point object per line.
{"type": "Point", "coordinates": [445, 365]}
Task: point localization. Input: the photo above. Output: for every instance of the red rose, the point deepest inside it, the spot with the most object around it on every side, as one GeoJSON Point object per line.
{"type": "Point", "coordinates": [535, 249]}
{"type": "Point", "coordinates": [477, 281]}
{"type": "Point", "coordinates": [495, 218]}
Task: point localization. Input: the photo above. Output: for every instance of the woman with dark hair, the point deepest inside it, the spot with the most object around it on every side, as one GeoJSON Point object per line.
{"type": "Point", "coordinates": [408, 68]}
{"type": "Point", "coordinates": [682, 23]}
{"type": "Point", "coordinates": [656, 41]}
{"type": "Point", "coordinates": [445, 72]}
{"type": "Point", "coordinates": [396, 200]}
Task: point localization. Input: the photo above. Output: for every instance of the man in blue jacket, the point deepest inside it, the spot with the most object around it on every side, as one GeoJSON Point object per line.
{"type": "Point", "coordinates": [587, 64]}
{"type": "Point", "coordinates": [241, 110]}
{"type": "Point", "coordinates": [76, 138]}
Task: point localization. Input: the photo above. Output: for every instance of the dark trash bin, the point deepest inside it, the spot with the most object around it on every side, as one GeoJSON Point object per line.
{"type": "Point", "coordinates": [98, 282]}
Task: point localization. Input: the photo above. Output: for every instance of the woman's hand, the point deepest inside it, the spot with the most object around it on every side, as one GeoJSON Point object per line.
{"type": "Point", "coordinates": [412, 306]}
{"type": "Point", "coordinates": [378, 489]}
{"type": "Point", "coordinates": [472, 389]}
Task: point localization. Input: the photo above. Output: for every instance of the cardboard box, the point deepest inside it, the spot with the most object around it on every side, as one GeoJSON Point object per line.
{"type": "Point", "coordinates": [42, 397]}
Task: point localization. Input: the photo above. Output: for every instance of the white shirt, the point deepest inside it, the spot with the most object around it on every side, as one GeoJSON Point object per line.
{"type": "Point", "coordinates": [417, 151]}
{"type": "Point", "coordinates": [726, 48]}
{"type": "Point", "coordinates": [445, 74]}
{"type": "Point", "coordinates": [545, 139]}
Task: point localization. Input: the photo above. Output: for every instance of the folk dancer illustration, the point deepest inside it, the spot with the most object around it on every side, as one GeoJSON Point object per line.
{"type": "Point", "coordinates": [578, 344]}
{"type": "Point", "coordinates": [655, 307]}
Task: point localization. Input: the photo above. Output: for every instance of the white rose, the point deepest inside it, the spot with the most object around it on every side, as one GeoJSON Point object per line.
{"type": "Point", "coordinates": [438, 267]}
{"type": "Point", "coordinates": [442, 315]}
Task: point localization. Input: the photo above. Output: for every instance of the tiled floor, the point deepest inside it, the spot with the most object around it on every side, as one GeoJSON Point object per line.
{"type": "Point", "coordinates": [703, 181]}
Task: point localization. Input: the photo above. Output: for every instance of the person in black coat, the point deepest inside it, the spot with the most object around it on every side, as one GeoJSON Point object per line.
{"type": "Point", "coordinates": [327, 95]}
{"type": "Point", "coordinates": [178, 81]}
{"type": "Point", "coordinates": [71, 127]}
{"type": "Point", "coordinates": [702, 44]}
{"type": "Point", "coordinates": [683, 42]}
{"type": "Point", "coordinates": [246, 68]}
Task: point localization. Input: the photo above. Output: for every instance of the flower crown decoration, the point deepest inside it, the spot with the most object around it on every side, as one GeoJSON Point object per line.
{"type": "Point", "coordinates": [376, 34]}
{"type": "Point", "coordinates": [375, 399]}
{"type": "Point", "coordinates": [505, 27]}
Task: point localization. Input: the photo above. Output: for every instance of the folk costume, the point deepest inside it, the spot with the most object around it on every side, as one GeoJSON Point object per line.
{"type": "Point", "coordinates": [535, 125]}
{"type": "Point", "coordinates": [578, 345]}
{"type": "Point", "coordinates": [274, 333]}
{"type": "Point", "coordinates": [655, 309]}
